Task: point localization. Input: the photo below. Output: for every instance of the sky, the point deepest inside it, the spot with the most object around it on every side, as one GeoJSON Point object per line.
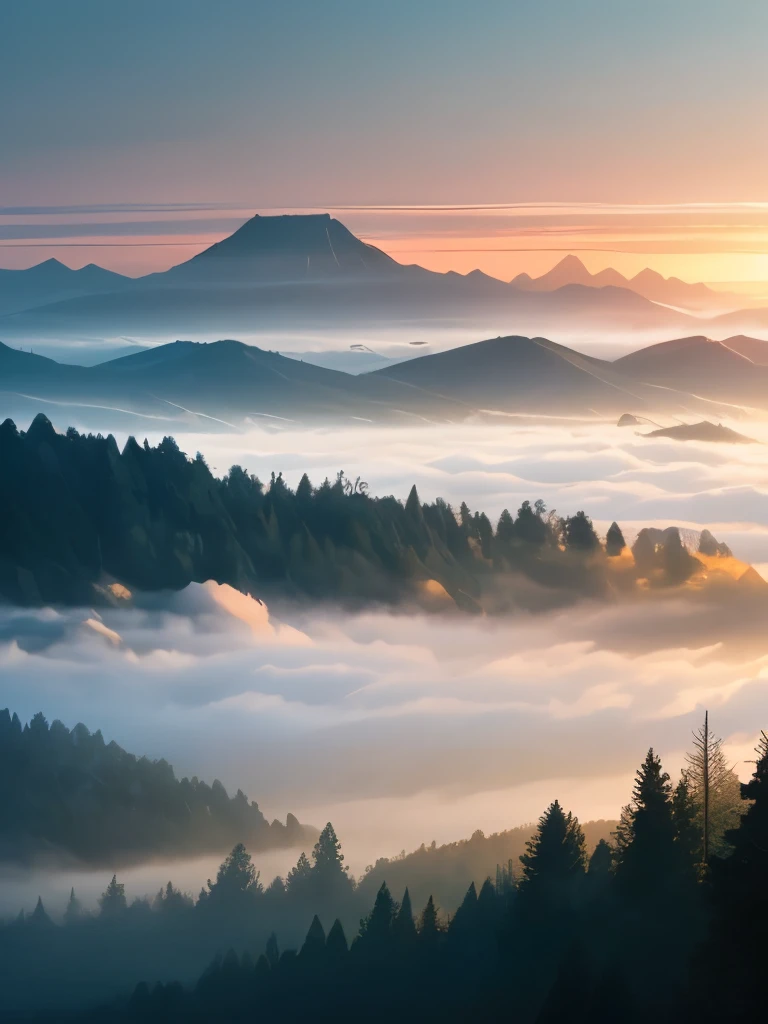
{"type": "Point", "coordinates": [623, 126]}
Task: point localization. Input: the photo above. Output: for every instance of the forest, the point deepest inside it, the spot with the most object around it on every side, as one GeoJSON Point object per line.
{"type": "Point", "coordinates": [66, 795]}
{"type": "Point", "coordinates": [663, 919]}
{"type": "Point", "coordinates": [79, 516]}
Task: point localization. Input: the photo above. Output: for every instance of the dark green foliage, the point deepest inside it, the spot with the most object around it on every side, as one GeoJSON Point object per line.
{"type": "Point", "coordinates": [77, 512]}
{"type": "Point", "coordinates": [138, 808]}
{"type": "Point", "coordinates": [112, 901]}
{"type": "Point", "coordinates": [646, 853]}
{"type": "Point", "coordinates": [314, 944]}
{"type": "Point", "coordinates": [237, 881]}
{"type": "Point", "coordinates": [336, 943]}
{"type": "Point", "coordinates": [650, 941]}
{"type": "Point", "coordinates": [430, 928]}
{"type": "Point", "coordinates": [614, 541]}
{"type": "Point", "coordinates": [403, 926]}
{"type": "Point", "coordinates": [376, 929]}
{"type": "Point", "coordinates": [553, 864]}
{"type": "Point", "coordinates": [579, 533]}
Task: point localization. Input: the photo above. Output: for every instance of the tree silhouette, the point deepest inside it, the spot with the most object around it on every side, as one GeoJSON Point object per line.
{"type": "Point", "coordinates": [112, 900]}
{"type": "Point", "coordinates": [554, 862]}
{"type": "Point", "coordinates": [646, 841]}
{"type": "Point", "coordinates": [614, 541]}
{"type": "Point", "coordinates": [403, 926]}
{"type": "Point", "coordinates": [237, 880]}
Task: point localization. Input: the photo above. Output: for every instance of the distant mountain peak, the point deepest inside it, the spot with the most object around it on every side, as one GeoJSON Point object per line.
{"type": "Point", "coordinates": [569, 262]}
{"type": "Point", "coordinates": [291, 247]}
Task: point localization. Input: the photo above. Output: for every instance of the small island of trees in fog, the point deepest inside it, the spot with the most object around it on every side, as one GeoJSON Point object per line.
{"type": "Point", "coordinates": [79, 513]}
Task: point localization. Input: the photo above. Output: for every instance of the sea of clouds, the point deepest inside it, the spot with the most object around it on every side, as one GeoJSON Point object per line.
{"type": "Point", "coordinates": [403, 727]}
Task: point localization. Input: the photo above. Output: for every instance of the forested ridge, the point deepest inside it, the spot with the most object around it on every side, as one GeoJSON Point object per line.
{"type": "Point", "coordinates": [664, 920]}
{"type": "Point", "coordinates": [66, 795]}
{"type": "Point", "coordinates": [77, 514]}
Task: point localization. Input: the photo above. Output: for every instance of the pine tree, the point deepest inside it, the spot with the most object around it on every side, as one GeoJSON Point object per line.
{"type": "Point", "coordinates": [237, 881]}
{"type": "Point", "coordinates": [733, 970]}
{"type": "Point", "coordinates": [505, 530]}
{"type": "Point", "coordinates": [403, 926]}
{"type": "Point", "coordinates": [304, 490]}
{"type": "Point", "coordinates": [376, 928]}
{"type": "Point", "coordinates": [112, 901]}
{"type": "Point", "coordinates": [413, 507]}
{"type": "Point", "coordinates": [429, 924]}
{"type": "Point", "coordinates": [336, 943]}
{"type": "Point", "coordinates": [687, 835]}
{"type": "Point", "coordinates": [74, 910]}
{"type": "Point", "coordinates": [329, 875]}
{"type": "Point", "coordinates": [39, 917]}
{"type": "Point", "coordinates": [297, 880]}
{"type": "Point", "coordinates": [579, 533]}
{"type": "Point", "coordinates": [554, 862]}
{"type": "Point", "coordinates": [647, 857]}
{"type": "Point", "coordinates": [314, 944]}
{"type": "Point", "coordinates": [614, 541]}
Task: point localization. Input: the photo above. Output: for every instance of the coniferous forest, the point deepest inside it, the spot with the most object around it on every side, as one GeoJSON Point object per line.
{"type": "Point", "coordinates": [67, 795]}
{"type": "Point", "coordinates": [80, 516]}
{"type": "Point", "coordinates": [663, 918]}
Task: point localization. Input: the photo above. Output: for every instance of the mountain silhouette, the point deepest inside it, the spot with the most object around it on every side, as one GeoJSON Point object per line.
{"type": "Point", "coordinates": [700, 365]}
{"type": "Point", "coordinates": [289, 247]}
{"type": "Point", "coordinates": [228, 385]}
{"type": "Point", "coordinates": [309, 271]}
{"type": "Point", "coordinates": [52, 281]}
{"type": "Point", "coordinates": [222, 385]}
{"type": "Point", "coordinates": [648, 283]}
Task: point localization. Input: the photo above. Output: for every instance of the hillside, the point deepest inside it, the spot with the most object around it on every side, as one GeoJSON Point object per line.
{"type": "Point", "coordinates": [70, 797]}
{"type": "Point", "coordinates": [713, 369]}
{"type": "Point", "coordinates": [534, 375]}
{"type": "Point", "coordinates": [222, 385]}
{"type": "Point", "coordinates": [444, 872]}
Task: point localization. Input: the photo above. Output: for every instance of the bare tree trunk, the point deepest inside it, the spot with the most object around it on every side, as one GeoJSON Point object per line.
{"type": "Point", "coordinates": [707, 790]}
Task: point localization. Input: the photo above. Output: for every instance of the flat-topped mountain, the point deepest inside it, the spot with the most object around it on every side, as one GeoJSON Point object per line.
{"type": "Point", "coordinates": [297, 270]}
{"type": "Point", "coordinates": [289, 247]}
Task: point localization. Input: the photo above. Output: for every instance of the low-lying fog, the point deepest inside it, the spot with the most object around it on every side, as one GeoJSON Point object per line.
{"type": "Point", "coordinates": [404, 728]}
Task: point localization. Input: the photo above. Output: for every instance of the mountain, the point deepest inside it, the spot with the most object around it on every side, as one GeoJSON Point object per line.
{"type": "Point", "coordinates": [222, 385]}
{"type": "Point", "coordinates": [536, 376]}
{"type": "Point", "coordinates": [711, 369]}
{"type": "Point", "coordinates": [291, 247]}
{"type": "Point", "coordinates": [648, 283]}
{"type": "Point", "coordinates": [300, 272]}
{"type": "Point", "coordinates": [227, 385]}
{"type": "Point", "coordinates": [52, 281]}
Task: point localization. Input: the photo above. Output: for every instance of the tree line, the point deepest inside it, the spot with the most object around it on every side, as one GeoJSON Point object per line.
{"type": "Point", "coordinates": [658, 922]}
{"type": "Point", "coordinates": [78, 512]}
{"type": "Point", "coordinates": [67, 795]}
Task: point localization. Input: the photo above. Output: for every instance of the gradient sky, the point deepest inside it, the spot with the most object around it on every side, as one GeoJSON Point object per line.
{"type": "Point", "coordinates": [242, 106]}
